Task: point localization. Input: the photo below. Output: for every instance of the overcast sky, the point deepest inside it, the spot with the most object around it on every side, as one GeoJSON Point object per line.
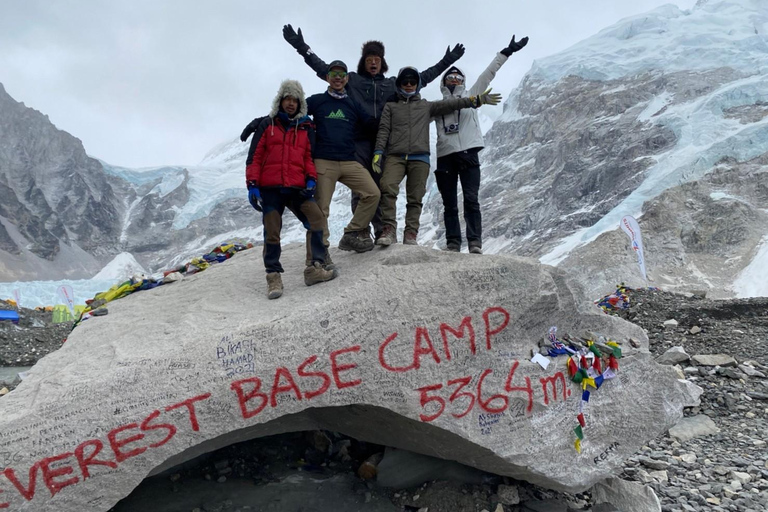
{"type": "Point", "coordinates": [151, 82]}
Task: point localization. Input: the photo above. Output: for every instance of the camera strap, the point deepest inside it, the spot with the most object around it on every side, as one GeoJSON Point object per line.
{"type": "Point", "coordinates": [446, 128]}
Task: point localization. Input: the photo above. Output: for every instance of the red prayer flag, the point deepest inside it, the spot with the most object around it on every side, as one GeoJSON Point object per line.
{"type": "Point", "coordinates": [580, 417]}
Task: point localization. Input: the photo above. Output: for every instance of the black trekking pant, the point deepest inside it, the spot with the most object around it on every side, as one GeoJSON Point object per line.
{"type": "Point", "coordinates": [462, 166]}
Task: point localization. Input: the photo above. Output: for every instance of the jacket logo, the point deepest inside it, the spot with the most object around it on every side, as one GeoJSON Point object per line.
{"type": "Point", "coordinates": [336, 115]}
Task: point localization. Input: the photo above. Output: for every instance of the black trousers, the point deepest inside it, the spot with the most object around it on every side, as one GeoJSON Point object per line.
{"type": "Point", "coordinates": [462, 166]}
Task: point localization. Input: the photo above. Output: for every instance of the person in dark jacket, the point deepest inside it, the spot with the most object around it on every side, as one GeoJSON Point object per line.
{"type": "Point", "coordinates": [459, 141]}
{"type": "Point", "coordinates": [404, 136]}
{"type": "Point", "coordinates": [338, 118]}
{"type": "Point", "coordinates": [370, 87]}
{"type": "Point", "coordinates": [282, 175]}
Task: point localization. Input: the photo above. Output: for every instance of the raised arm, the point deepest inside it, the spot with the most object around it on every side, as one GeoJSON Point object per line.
{"type": "Point", "coordinates": [449, 58]}
{"type": "Point", "coordinates": [296, 39]}
{"type": "Point", "coordinates": [484, 80]}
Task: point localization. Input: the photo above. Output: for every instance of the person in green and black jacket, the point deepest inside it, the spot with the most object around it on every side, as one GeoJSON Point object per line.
{"type": "Point", "coordinates": [370, 87]}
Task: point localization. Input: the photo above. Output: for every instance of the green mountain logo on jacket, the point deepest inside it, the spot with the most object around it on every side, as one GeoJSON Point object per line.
{"type": "Point", "coordinates": [336, 115]}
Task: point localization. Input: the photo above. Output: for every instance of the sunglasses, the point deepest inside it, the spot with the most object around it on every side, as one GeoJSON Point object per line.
{"type": "Point", "coordinates": [337, 74]}
{"type": "Point", "coordinates": [454, 77]}
{"type": "Point", "coordinates": [410, 81]}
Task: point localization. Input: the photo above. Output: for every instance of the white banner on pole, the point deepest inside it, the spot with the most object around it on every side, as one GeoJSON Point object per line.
{"type": "Point", "coordinates": [632, 229]}
{"type": "Point", "coordinates": [67, 296]}
{"type": "Point", "coordinates": [17, 297]}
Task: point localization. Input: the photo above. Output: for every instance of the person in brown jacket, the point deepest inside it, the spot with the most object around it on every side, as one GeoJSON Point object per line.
{"type": "Point", "coordinates": [404, 136]}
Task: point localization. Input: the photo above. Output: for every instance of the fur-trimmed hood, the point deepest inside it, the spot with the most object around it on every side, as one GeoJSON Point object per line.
{"type": "Point", "coordinates": [372, 48]}
{"type": "Point", "coordinates": [290, 88]}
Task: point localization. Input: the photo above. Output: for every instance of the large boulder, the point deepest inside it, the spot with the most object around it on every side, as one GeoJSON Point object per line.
{"type": "Point", "coordinates": [412, 348]}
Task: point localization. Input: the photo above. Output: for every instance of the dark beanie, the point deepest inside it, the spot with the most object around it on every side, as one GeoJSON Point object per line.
{"type": "Point", "coordinates": [375, 48]}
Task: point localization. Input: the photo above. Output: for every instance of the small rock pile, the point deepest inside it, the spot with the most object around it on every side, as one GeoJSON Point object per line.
{"type": "Point", "coordinates": [34, 337]}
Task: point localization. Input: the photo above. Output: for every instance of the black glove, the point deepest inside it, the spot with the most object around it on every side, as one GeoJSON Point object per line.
{"type": "Point", "coordinates": [455, 54]}
{"type": "Point", "coordinates": [514, 46]}
{"type": "Point", "coordinates": [295, 39]}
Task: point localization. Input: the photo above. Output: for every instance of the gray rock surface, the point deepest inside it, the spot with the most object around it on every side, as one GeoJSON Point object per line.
{"type": "Point", "coordinates": [672, 356]}
{"type": "Point", "coordinates": [714, 360]}
{"type": "Point", "coordinates": [626, 496]}
{"type": "Point", "coordinates": [693, 426]}
{"type": "Point", "coordinates": [188, 368]}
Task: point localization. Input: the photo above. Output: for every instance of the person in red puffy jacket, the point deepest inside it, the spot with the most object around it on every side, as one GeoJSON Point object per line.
{"type": "Point", "coordinates": [282, 175]}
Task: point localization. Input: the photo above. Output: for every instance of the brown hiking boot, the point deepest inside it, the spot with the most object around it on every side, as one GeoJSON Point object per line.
{"type": "Point", "coordinates": [388, 236]}
{"type": "Point", "coordinates": [328, 265]}
{"type": "Point", "coordinates": [358, 241]}
{"type": "Point", "coordinates": [453, 248]}
{"type": "Point", "coordinates": [328, 261]}
{"type": "Point", "coordinates": [274, 285]}
{"type": "Point", "coordinates": [409, 237]}
{"type": "Point", "coordinates": [315, 273]}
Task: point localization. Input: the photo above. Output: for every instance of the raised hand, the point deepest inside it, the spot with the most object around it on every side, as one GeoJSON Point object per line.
{"type": "Point", "coordinates": [294, 39]}
{"type": "Point", "coordinates": [455, 54]}
{"type": "Point", "coordinates": [514, 46]}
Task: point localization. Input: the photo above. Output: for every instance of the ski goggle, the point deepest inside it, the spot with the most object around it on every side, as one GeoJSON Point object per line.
{"type": "Point", "coordinates": [337, 74]}
{"type": "Point", "coordinates": [455, 77]}
{"type": "Point", "coordinates": [409, 81]}
{"type": "Point", "coordinates": [373, 60]}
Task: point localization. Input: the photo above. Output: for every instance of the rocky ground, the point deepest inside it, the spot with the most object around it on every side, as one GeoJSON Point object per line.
{"type": "Point", "coordinates": [722, 467]}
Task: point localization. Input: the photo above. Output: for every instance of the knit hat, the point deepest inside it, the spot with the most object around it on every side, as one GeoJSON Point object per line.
{"type": "Point", "coordinates": [375, 48]}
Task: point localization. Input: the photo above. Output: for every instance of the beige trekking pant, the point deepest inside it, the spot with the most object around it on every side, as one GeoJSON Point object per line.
{"type": "Point", "coordinates": [358, 180]}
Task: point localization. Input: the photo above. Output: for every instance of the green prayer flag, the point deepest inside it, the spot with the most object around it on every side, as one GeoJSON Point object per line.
{"type": "Point", "coordinates": [579, 432]}
{"type": "Point", "coordinates": [593, 348]}
{"type": "Point", "coordinates": [617, 352]}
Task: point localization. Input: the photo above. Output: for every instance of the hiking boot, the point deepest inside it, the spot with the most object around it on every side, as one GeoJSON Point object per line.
{"type": "Point", "coordinates": [315, 273]}
{"type": "Point", "coordinates": [274, 285]}
{"type": "Point", "coordinates": [388, 236]}
{"type": "Point", "coordinates": [328, 265]}
{"type": "Point", "coordinates": [328, 261]}
{"type": "Point", "coordinates": [358, 241]}
{"type": "Point", "coordinates": [409, 238]}
{"type": "Point", "coordinates": [475, 248]}
{"type": "Point", "coordinates": [453, 248]}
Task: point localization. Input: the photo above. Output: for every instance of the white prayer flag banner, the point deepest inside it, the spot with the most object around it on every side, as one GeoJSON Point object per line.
{"type": "Point", "coordinates": [632, 229]}
{"type": "Point", "coordinates": [17, 297]}
{"type": "Point", "coordinates": [67, 296]}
